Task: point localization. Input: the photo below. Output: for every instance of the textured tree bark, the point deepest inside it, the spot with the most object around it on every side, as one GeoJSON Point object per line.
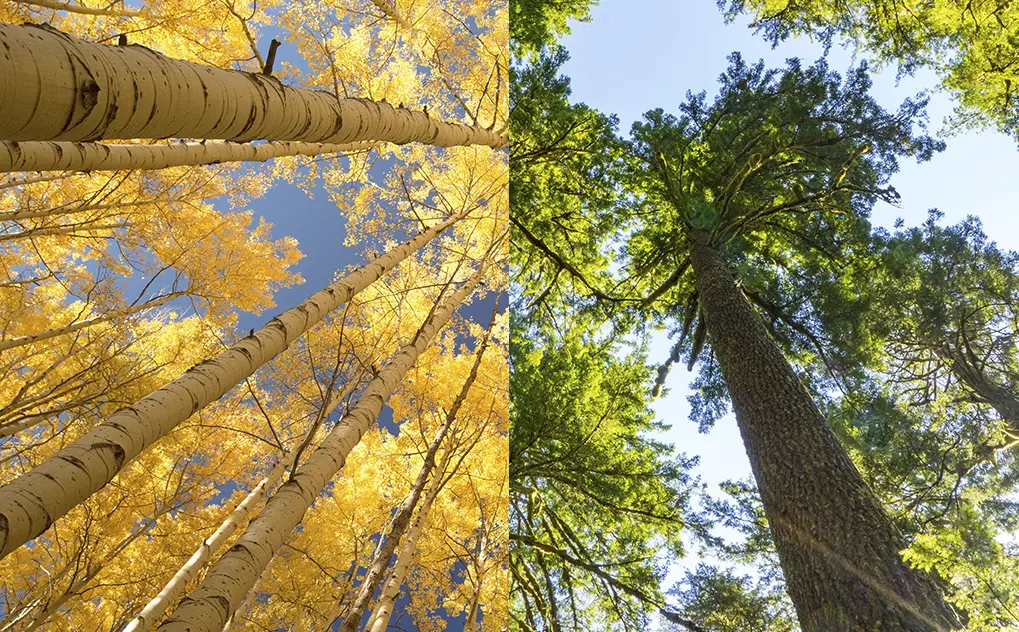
{"type": "Point", "coordinates": [999, 397]}
{"type": "Point", "coordinates": [30, 503]}
{"type": "Point", "coordinates": [178, 583]}
{"type": "Point", "coordinates": [838, 549]}
{"type": "Point", "coordinates": [70, 156]}
{"type": "Point", "coordinates": [388, 7]}
{"type": "Point", "coordinates": [379, 620]}
{"type": "Point", "coordinates": [96, 92]}
{"type": "Point", "coordinates": [209, 607]}
{"type": "Point", "coordinates": [21, 341]}
{"type": "Point", "coordinates": [402, 519]}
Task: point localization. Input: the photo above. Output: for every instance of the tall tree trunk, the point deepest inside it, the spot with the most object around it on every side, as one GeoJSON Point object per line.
{"type": "Point", "coordinates": [472, 624]}
{"type": "Point", "coordinates": [379, 619]}
{"type": "Point", "coordinates": [45, 155]}
{"type": "Point", "coordinates": [178, 583]}
{"type": "Point", "coordinates": [838, 549]}
{"type": "Point", "coordinates": [96, 92]}
{"type": "Point", "coordinates": [209, 607]}
{"type": "Point", "coordinates": [21, 341]}
{"type": "Point", "coordinates": [406, 509]}
{"type": "Point", "coordinates": [30, 503]}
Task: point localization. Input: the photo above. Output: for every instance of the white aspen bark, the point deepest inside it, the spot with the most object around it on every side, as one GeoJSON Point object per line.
{"type": "Point", "coordinates": [73, 8]}
{"type": "Point", "coordinates": [472, 624]}
{"type": "Point", "coordinates": [21, 341]}
{"type": "Point", "coordinates": [379, 620]}
{"type": "Point", "coordinates": [388, 7]}
{"type": "Point", "coordinates": [178, 583]}
{"type": "Point", "coordinates": [209, 607]}
{"type": "Point", "coordinates": [402, 518]}
{"type": "Point", "coordinates": [30, 503]}
{"type": "Point", "coordinates": [70, 156]}
{"type": "Point", "coordinates": [95, 92]}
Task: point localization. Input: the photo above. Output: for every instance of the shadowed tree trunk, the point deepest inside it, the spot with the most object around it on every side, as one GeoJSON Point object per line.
{"type": "Point", "coordinates": [838, 549]}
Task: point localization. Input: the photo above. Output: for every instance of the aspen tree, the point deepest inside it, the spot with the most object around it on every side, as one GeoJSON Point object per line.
{"type": "Point", "coordinates": [383, 610]}
{"type": "Point", "coordinates": [136, 93]}
{"type": "Point", "coordinates": [176, 586]}
{"type": "Point", "coordinates": [209, 607]}
{"type": "Point", "coordinates": [403, 516]}
{"type": "Point", "coordinates": [70, 156]}
{"type": "Point", "coordinates": [29, 504]}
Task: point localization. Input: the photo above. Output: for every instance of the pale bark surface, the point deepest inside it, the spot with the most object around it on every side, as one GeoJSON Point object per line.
{"type": "Point", "coordinates": [406, 510]}
{"type": "Point", "coordinates": [30, 503]}
{"type": "Point", "coordinates": [70, 156]}
{"type": "Point", "coordinates": [838, 548]}
{"type": "Point", "coordinates": [74, 8]}
{"type": "Point", "coordinates": [178, 583]}
{"type": "Point", "coordinates": [95, 92]}
{"type": "Point", "coordinates": [209, 607]}
{"type": "Point", "coordinates": [379, 620]}
{"type": "Point", "coordinates": [21, 341]}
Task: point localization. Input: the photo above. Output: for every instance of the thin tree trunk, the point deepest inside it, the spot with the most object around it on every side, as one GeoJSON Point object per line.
{"type": "Point", "coordinates": [406, 509]}
{"type": "Point", "coordinates": [383, 610]}
{"type": "Point", "coordinates": [21, 341]}
{"type": "Point", "coordinates": [30, 503]}
{"type": "Point", "coordinates": [472, 624]}
{"type": "Point", "coordinates": [98, 92]}
{"type": "Point", "coordinates": [388, 7]}
{"type": "Point", "coordinates": [73, 8]}
{"type": "Point", "coordinates": [209, 607]}
{"type": "Point", "coordinates": [178, 583]}
{"type": "Point", "coordinates": [838, 549]}
{"type": "Point", "coordinates": [92, 570]}
{"type": "Point", "coordinates": [70, 156]}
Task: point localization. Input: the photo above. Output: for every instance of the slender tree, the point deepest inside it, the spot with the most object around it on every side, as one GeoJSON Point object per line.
{"type": "Point", "coordinates": [29, 504]}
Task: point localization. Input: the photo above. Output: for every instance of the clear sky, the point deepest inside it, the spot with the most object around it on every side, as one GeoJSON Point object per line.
{"type": "Point", "coordinates": [637, 55]}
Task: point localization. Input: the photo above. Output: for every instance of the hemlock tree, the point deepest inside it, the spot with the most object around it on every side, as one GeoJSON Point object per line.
{"type": "Point", "coordinates": [782, 168]}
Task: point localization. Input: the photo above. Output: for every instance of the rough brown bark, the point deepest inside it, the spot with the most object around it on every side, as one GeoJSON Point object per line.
{"type": "Point", "coordinates": [838, 549]}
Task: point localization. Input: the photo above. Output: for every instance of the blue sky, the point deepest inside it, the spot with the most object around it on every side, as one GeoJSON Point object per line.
{"type": "Point", "coordinates": [636, 55]}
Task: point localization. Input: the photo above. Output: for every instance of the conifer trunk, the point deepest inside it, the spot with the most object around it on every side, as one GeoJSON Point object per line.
{"type": "Point", "coordinates": [209, 607]}
{"type": "Point", "coordinates": [402, 519]}
{"type": "Point", "coordinates": [838, 549]}
{"type": "Point", "coordinates": [30, 503]}
{"type": "Point", "coordinates": [1000, 398]}
{"type": "Point", "coordinates": [178, 583]}
{"type": "Point", "coordinates": [56, 87]}
{"type": "Point", "coordinates": [45, 155]}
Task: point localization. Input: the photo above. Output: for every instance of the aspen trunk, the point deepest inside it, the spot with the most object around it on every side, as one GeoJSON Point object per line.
{"type": "Point", "coordinates": [21, 341]}
{"type": "Point", "coordinates": [838, 549]}
{"type": "Point", "coordinates": [177, 584]}
{"type": "Point", "coordinates": [406, 510]}
{"type": "Point", "coordinates": [379, 620]}
{"type": "Point", "coordinates": [69, 156]}
{"type": "Point", "coordinates": [96, 92]}
{"type": "Point", "coordinates": [388, 7]}
{"type": "Point", "coordinates": [30, 503]}
{"type": "Point", "coordinates": [472, 624]}
{"type": "Point", "coordinates": [209, 607]}
{"type": "Point", "coordinates": [72, 8]}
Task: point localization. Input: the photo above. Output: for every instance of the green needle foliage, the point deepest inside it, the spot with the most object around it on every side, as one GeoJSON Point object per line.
{"type": "Point", "coordinates": [972, 45]}
{"type": "Point", "coordinates": [535, 24]}
{"type": "Point", "coordinates": [596, 506]}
